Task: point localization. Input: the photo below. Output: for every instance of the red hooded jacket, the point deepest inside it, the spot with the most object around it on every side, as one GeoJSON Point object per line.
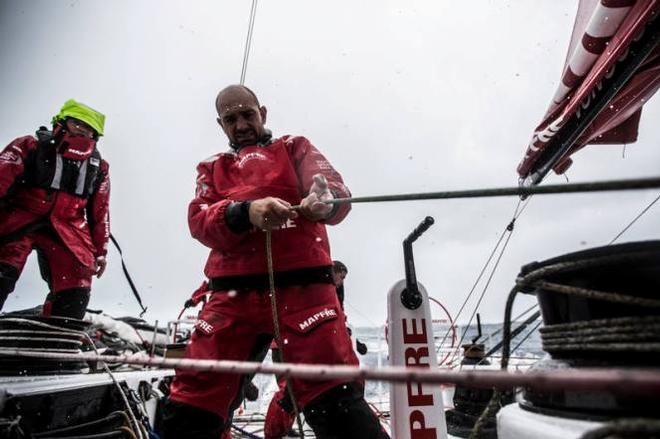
{"type": "Point", "coordinates": [283, 169]}
{"type": "Point", "coordinates": [81, 223]}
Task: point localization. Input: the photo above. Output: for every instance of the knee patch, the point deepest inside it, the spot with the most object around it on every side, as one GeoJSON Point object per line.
{"type": "Point", "coordinates": [67, 303]}
{"type": "Point", "coordinates": [343, 413]}
{"type": "Point", "coordinates": [184, 420]}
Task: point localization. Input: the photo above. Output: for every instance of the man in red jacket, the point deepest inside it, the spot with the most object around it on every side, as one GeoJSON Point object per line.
{"type": "Point", "coordinates": [54, 193]}
{"type": "Point", "coordinates": [240, 194]}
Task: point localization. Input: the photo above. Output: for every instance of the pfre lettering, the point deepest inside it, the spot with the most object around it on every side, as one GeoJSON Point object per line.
{"type": "Point", "coordinates": [415, 333]}
{"type": "Point", "coordinates": [418, 428]}
{"type": "Point", "coordinates": [414, 337]}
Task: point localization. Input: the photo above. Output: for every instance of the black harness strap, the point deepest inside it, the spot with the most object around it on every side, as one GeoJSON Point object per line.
{"type": "Point", "coordinates": [301, 276]}
{"type": "Point", "coordinates": [128, 276]}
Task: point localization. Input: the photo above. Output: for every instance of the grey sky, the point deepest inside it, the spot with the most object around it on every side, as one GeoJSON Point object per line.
{"type": "Point", "coordinates": [401, 96]}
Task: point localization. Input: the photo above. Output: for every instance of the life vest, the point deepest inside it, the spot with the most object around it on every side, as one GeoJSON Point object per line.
{"type": "Point", "coordinates": [71, 165]}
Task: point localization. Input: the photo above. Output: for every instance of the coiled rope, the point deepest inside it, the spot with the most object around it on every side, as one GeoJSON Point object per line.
{"type": "Point", "coordinates": [534, 280]}
{"type": "Point", "coordinates": [38, 354]}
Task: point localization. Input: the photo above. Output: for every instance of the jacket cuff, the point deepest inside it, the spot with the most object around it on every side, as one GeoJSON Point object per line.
{"type": "Point", "coordinates": [237, 216]}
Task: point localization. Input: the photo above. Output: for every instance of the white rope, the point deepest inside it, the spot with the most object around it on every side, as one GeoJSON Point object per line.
{"type": "Point", "coordinates": [629, 381]}
{"type": "Point", "coordinates": [39, 353]}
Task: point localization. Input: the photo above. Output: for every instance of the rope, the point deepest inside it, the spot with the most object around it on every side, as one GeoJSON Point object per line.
{"type": "Point", "coordinates": [245, 433]}
{"type": "Point", "coordinates": [625, 229]}
{"type": "Point", "coordinates": [276, 327]}
{"type": "Point", "coordinates": [483, 293]}
{"type": "Point", "coordinates": [535, 278]}
{"type": "Point", "coordinates": [527, 336]}
{"type": "Point", "coordinates": [248, 41]}
{"type": "Point", "coordinates": [630, 334]}
{"type": "Point", "coordinates": [521, 191]}
{"type": "Point", "coordinates": [508, 228]}
{"type": "Point", "coordinates": [598, 295]}
{"type": "Point", "coordinates": [42, 354]}
{"type": "Point", "coordinates": [493, 407]}
{"type": "Point", "coordinates": [633, 382]}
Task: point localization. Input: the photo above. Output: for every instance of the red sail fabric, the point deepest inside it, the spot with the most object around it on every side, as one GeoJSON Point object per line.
{"type": "Point", "coordinates": [602, 34]}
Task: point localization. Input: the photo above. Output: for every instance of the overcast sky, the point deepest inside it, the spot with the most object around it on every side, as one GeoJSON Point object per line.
{"type": "Point", "coordinates": [401, 96]}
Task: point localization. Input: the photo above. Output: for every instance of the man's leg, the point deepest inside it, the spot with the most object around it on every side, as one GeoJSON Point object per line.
{"type": "Point", "coordinates": [314, 326]}
{"type": "Point", "coordinates": [279, 419]}
{"type": "Point", "coordinates": [69, 281]}
{"type": "Point", "coordinates": [342, 413]}
{"type": "Point", "coordinates": [182, 420]}
{"type": "Point", "coordinates": [12, 260]}
{"type": "Point", "coordinates": [228, 328]}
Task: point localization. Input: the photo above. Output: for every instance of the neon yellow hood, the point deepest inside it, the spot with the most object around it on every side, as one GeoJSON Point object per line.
{"type": "Point", "coordinates": [82, 112]}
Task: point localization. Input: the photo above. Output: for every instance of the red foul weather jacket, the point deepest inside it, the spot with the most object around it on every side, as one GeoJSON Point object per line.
{"type": "Point", "coordinates": [283, 169]}
{"type": "Point", "coordinates": [82, 223]}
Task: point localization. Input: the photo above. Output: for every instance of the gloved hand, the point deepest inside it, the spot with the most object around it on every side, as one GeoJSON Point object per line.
{"type": "Point", "coordinates": [313, 206]}
{"type": "Point", "coordinates": [361, 347]}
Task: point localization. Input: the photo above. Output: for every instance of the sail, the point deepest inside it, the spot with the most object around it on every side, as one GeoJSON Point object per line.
{"type": "Point", "coordinates": [612, 68]}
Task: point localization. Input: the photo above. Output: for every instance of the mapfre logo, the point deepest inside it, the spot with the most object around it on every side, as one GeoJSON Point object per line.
{"type": "Point", "coordinates": [317, 318]}
{"type": "Point", "coordinates": [204, 326]}
{"type": "Point", "coordinates": [11, 157]}
{"type": "Point", "coordinates": [249, 157]}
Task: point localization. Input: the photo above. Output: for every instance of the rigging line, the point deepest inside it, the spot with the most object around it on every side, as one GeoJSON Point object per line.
{"type": "Point", "coordinates": [571, 188]}
{"type": "Point", "coordinates": [515, 319]}
{"type": "Point", "coordinates": [248, 40]}
{"type": "Point", "coordinates": [483, 270]}
{"type": "Point", "coordinates": [634, 220]}
{"type": "Point", "coordinates": [361, 314]}
{"type": "Point", "coordinates": [483, 293]}
{"type": "Point", "coordinates": [527, 335]}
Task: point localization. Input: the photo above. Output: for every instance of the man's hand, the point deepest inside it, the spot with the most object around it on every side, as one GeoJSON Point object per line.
{"type": "Point", "coordinates": [270, 213]}
{"type": "Point", "coordinates": [100, 265]}
{"type": "Point", "coordinates": [313, 206]}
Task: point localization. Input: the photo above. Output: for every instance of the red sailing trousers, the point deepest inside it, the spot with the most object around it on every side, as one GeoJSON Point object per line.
{"type": "Point", "coordinates": [232, 325]}
{"type": "Point", "coordinates": [63, 268]}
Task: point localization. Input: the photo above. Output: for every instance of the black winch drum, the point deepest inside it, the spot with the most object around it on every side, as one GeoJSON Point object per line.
{"type": "Point", "coordinates": [618, 336]}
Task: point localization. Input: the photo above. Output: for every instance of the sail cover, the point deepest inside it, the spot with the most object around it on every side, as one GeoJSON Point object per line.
{"type": "Point", "coordinates": [612, 68]}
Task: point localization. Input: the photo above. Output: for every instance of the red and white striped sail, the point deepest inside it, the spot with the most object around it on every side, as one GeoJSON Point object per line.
{"type": "Point", "coordinates": [602, 36]}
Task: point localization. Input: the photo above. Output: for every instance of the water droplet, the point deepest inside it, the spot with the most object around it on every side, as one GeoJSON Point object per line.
{"type": "Point", "coordinates": [318, 239]}
{"type": "Point", "coordinates": [232, 293]}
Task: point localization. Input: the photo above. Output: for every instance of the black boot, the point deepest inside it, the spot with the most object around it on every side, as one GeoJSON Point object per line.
{"type": "Point", "coordinates": [184, 421]}
{"type": "Point", "coordinates": [8, 278]}
{"type": "Point", "coordinates": [342, 413]}
{"type": "Point", "coordinates": [68, 303]}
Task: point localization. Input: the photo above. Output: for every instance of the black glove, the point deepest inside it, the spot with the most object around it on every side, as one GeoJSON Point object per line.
{"type": "Point", "coordinates": [361, 347]}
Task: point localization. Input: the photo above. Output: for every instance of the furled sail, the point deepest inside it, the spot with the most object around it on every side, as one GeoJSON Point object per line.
{"type": "Point", "coordinates": [611, 70]}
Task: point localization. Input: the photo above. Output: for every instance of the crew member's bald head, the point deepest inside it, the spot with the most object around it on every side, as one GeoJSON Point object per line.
{"type": "Point", "coordinates": [233, 93]}
{"type": "Point", "coordinates": [240, 115]}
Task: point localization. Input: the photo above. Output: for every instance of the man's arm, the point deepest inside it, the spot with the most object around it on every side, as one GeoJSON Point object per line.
{"type": "Point", "coordinates": [12, 161]}
{"type": "Point", "coordinates": [98, 217]}
{"type": "Point", "coordinates": [310, 163]}
{"type": "Point", "coordinates": [217, 222]}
